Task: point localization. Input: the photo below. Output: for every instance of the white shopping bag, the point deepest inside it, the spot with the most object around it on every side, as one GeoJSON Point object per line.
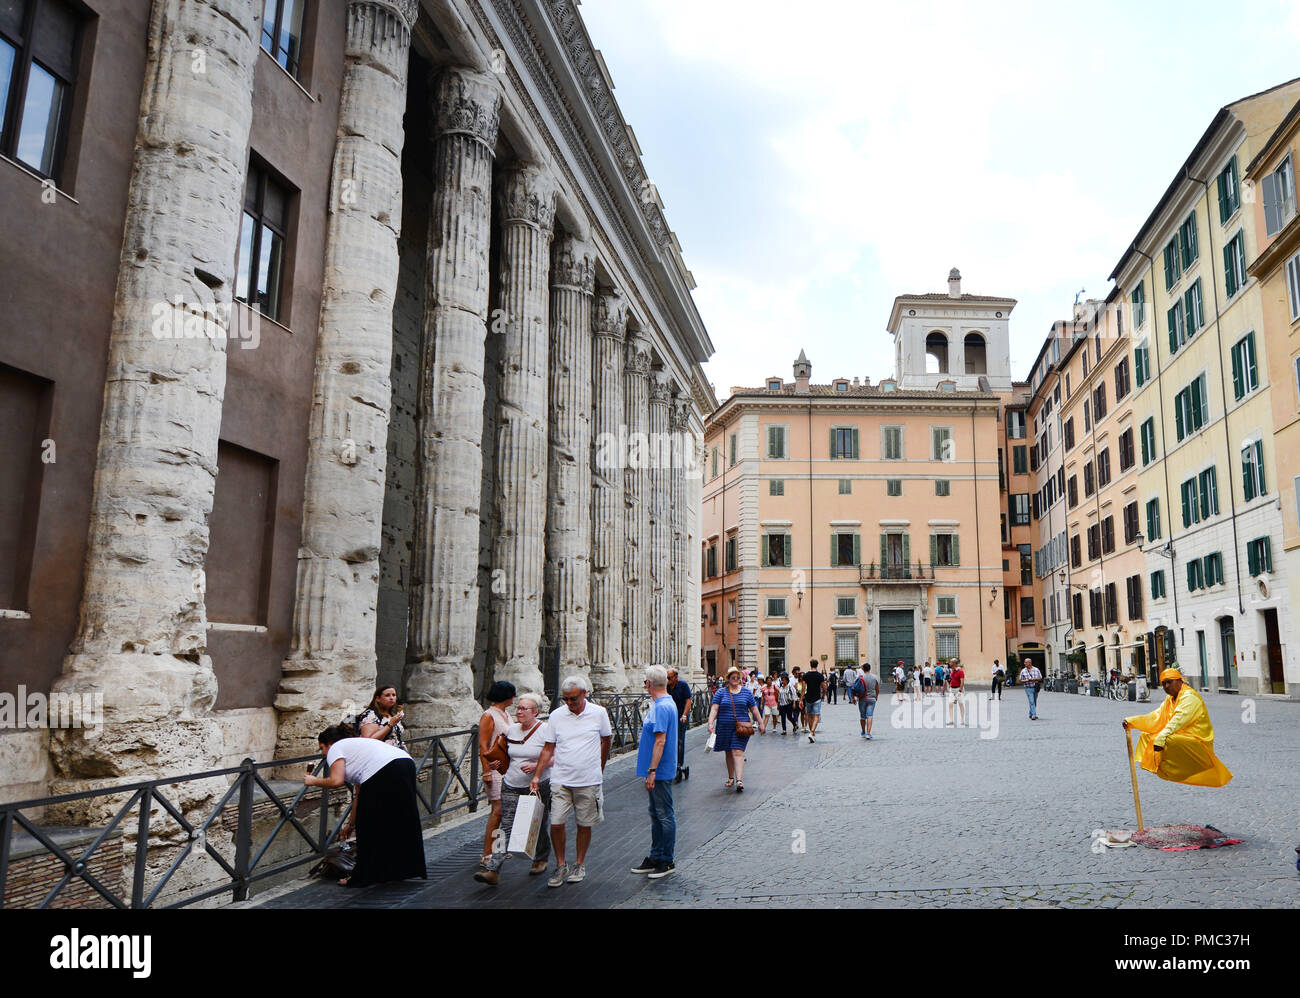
{"type": "Point", "coordinates": [713, 738]}
{"type": "Point", "coordinates": [527, 826]}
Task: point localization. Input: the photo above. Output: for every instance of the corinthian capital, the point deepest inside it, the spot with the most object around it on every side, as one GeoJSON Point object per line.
{"type": "Point", "coordinates": [527, 194]}
{"type": "Point", "coordinates": [467, 102]}
{"type": "Point", "coordinates": [661, 388]}
{"type": "Point", "coordinates": [574, 265]}
{"type": "Point", "coordinates": [609, 316]}
{"type": "Point", "coordinates": [637, 359]}
{"type": "Point", "coordinates": [407, 10]}
{"type": "Point", "coordinates": [681, 412]}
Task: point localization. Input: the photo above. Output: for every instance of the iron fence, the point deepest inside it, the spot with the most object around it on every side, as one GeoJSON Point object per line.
{"type": "Point", "coordinates": [241, 861]}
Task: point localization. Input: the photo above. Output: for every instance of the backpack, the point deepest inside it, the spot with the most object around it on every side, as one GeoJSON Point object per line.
{"type": "Point", "coordinates": [859, 687]}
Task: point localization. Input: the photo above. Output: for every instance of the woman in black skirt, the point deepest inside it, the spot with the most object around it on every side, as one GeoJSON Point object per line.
{"type": "Point", "coordinates": [390, 843]}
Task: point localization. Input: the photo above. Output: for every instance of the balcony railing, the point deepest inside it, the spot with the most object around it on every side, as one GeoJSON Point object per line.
{"type": "Point", "coordinates": [896, 573]}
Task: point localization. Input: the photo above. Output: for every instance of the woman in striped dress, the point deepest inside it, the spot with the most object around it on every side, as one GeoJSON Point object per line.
{"type": "Point", "coordinates": [731, 703]}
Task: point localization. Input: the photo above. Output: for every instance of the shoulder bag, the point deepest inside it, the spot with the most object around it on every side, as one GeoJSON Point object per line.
{"type": "Point", "coordinates": [745, 728]}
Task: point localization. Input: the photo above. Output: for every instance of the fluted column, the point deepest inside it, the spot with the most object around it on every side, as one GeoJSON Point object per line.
{"type": "Point", "coordinates": [439, 686]}
{"type": "Point", "coordinates": [332, 662]}
{"type": "Point", "coordinates": [605, 623]}
{"type": "Point", "coordinates": [681, 613]}
{"type": "Point", "coordinates": [661, 526]}
{"type": "Point", "coordinates": [527, 201]}
{"type": "Point", "coordinates": [568, 522]}
{"type": "Point", "coordinates": [142, 635]}
{"type": "Point", "coordinates": [636, 505]}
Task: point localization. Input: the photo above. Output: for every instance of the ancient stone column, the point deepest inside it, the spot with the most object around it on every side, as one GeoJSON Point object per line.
{"type": "Point", "coordinates": [605, 623]}
{"type": "Point", "coordinates": [527, 202]}
{"type": "Point", "coordinates": [682, 614]}
{"type": "Point", "coordinates": [331, 668]}
{"type": "Point", "coordinates": [568, 521]}
{"type": "Point", "coordinates": [661, 526]}
{"type": "Point", "coordinates": [636, 505]}
{"type": "Point", "coordinates": [439, 687]}
{"type": "Point", "coordinates": [142, 636]}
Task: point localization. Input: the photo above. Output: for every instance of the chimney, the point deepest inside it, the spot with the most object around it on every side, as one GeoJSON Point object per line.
{"type": "Point", "coordinates": [802, 372]}
{"type": "Point", "coordinates": [954, 283]}
{"type": "Point", "coordinates": [855, 382]}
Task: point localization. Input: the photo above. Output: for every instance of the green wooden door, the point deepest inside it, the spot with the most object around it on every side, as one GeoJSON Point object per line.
{"type": "Point", "coordinates": [897, 640]}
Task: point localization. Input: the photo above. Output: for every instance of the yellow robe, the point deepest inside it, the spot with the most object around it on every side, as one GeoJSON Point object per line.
{"type": "Point", "coordinates": [1182, 726]}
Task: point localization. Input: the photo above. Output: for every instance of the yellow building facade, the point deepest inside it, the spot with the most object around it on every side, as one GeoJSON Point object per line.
{"type": "Point", "coordinates": [1203, 415]}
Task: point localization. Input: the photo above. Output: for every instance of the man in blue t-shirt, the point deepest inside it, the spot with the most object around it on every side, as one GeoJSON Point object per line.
{"type": "Point", "coordinates": [656, 752]}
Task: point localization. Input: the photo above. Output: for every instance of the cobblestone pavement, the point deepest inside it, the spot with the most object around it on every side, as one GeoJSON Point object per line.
{"type": "Point", "coordinates": [922, 817]}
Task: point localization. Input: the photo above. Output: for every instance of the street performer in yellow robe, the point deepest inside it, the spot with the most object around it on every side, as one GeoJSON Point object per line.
{"type": "Point", "coordinates": [1177, 743]}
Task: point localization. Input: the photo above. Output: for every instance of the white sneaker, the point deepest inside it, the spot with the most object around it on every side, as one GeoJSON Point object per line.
{"type": "Point", "coordinates": [577, 874]}
{"type": "Point", "coordinates": [557, 878]}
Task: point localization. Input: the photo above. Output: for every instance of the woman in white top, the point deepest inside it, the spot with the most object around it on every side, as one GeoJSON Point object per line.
{"type": "Point", "coordinates": [390, 842]}
{"type": "Point", "coordinates": [525, 740]}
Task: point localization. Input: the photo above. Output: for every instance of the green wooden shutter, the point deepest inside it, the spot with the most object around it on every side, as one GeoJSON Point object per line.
{"type": "Point", "coordinates": [1179, 426]}
{"type": "Point", "coordinates": [1187, 505]}
{"type": "Point", "coordinates": [764, 553]}
{"type": "Point", "coordinates": [1251, 369]}
{"type": "Point", "coordinates": [1170, 251]}
{"type": "Point", "coordinates": [1252, 557]}
{"type": "Point", "coordinates": [1172, 319]}
{"type": "Point", "coordinates": [1247, 474]}
{"type": "Point", "coordinates": [857, 549]}
{"type": "Point", "coordinates": [1229, 271]}
{"type": "Point", "coordinates": [1259, 464]}
{"type": "Point", "coordinates": [956, 550]}
{"type": "Point", "coordinates": [934, 549]}
{"type": "Point", "coordinates": [1238, 387]}
{"type": "Point", "coordinates": [907, 555]}
{"type": "Point", "coordinates": [1192, 566]}
{"type": "Point", "coordinates": [789, 543]}
{"type": "Point", "coordinates": [1267, 552]}
{"type": "Point", "coordinates": [835, 550]}
{"type": "Point", "coordinates": [1224, 213]}
{"type": "Point", "coordinates": [884, 552]}
{"type": "Point", "coordinates": [833, 454]}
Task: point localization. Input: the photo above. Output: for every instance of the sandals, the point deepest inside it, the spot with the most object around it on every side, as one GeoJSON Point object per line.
{"type": "Point", "coordinates": [729, 784]}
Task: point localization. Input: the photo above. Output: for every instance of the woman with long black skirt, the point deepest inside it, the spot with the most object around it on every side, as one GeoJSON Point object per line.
{"type": "Point", "coordinates": [390, 843]}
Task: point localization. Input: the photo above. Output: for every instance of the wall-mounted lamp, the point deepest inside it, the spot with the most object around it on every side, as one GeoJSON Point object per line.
{"type": "Point", "coordinates": [993, 596]}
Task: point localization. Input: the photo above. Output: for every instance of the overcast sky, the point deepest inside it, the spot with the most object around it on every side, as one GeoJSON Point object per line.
{"type": "Point", "coordinates": [818, 158]}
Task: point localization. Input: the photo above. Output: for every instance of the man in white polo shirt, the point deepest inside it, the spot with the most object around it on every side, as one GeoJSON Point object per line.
{"type": "Point", "coordinates": [577, 738]}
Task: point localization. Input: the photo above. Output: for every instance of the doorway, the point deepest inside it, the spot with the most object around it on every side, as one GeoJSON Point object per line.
{"type": "Point", "coordinates": [1228, 648]}
{"type": "Point", "coordinates": [1203, 655]}
{"type": "Point", "coordinates": [897, 639]}
{"type": "Point", "coordinates": [1277, 681]}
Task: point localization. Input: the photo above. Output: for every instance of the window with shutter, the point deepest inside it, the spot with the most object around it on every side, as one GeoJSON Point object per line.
{"type": "Point", "coordinates": [1293, 286]}
{"type": "Point", "coordinates": [1187, 241]}
{"type": "Point", "coordinates": [1229, 192]}
{"type": "Point", "coordinates": [1138, 298]}
{"type": "Point", "coordinates": [1153, 519]}
{"type": "Point", "coordinates": [1193, 310]}
{"type": "Point", "coordinates": [1209, 485]}
{"type": "Point", "coordinates": [776, 487]}
{"type": "Point", "coordinates": [1173, 270]}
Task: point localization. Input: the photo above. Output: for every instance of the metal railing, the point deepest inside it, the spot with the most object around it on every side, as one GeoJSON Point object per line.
{"type": "Point", "coordinates": [895, 573]}
{"type": "Point", "coordinates": [239, 869]}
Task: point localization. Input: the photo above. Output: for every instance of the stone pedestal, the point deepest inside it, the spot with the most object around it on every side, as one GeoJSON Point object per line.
{"type": "Point", "coordinates": [142, 637]}
{"type": "Point", "coordinates": [568, 523]}
{"type": "Point", "coordinates": [605, 623]}
{"type": "Point", "coordinates": [527, 202]}
{"type": "Point", "coordinates": [331, 668]}
{"type": "Point", "coordinates": [683, 616]}
{"type": "Point", "coordinates": [438, 682]}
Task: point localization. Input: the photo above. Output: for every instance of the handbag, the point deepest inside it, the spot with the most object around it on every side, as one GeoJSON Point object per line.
{"type": "Point", "coordinates": [745, 728]}
{"type": "Point", "coordinates": [497, 753]}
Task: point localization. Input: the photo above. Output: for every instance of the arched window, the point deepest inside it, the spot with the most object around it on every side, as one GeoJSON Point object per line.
{"type": "Point", "coordinates": [936, 353]}
{"type": "Point", "coordinates": [976, 361]}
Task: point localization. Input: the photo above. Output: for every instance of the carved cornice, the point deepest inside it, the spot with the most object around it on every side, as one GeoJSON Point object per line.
{"type": "Point", "coordinates": [637, 359]}
{"type": "Point", "coordinates": [661, 388]}
{"type": "Point", "coordinates": [609, 315]}
{"type": "Point", "coordinates": [406, 10]}
{"type": "Point", "coordinates": [527, 194]}
{"type": "Point", "coordinates": [466, 102]}
{"type": "Point", "coordinates": [564, 15]}
{"type": "Point", "coordinates": [573, 265]}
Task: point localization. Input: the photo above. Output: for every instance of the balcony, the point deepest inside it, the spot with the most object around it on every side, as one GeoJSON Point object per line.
{"type": "Point", "coordinates": [895, 573]}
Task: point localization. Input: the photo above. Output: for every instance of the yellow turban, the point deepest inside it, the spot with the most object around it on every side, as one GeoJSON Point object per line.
{"type": "Point", "coordinates": [1171, 674]}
